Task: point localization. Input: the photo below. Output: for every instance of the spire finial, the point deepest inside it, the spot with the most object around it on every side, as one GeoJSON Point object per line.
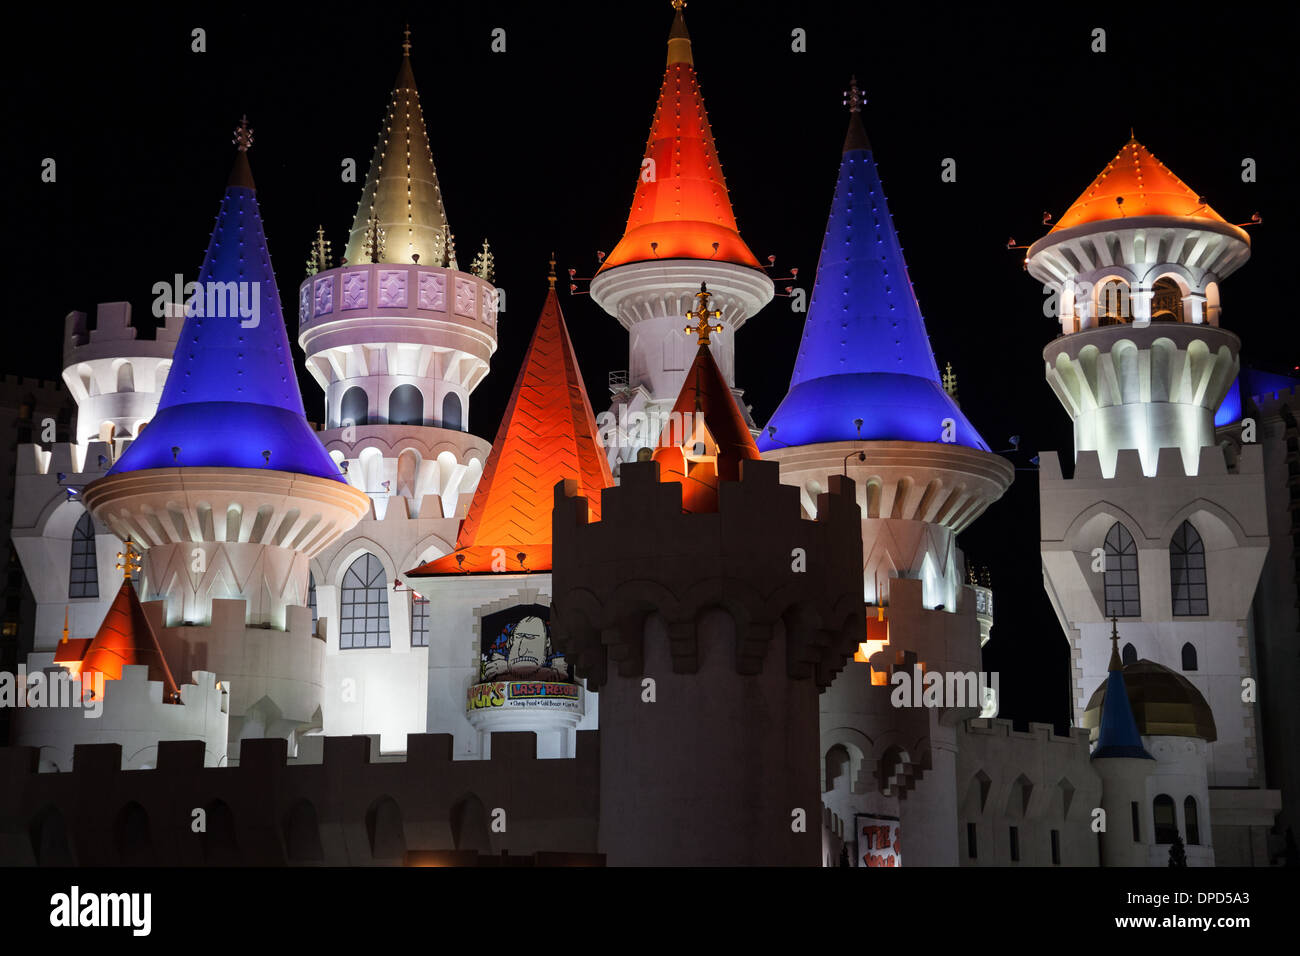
{"type": "Point", "coordinates": [1132, 137]}
{"type": "Point", "coordinates": [550, 277]}
{"type": "Point", "coordinates": [65, 625]}
{"type": "Point", "coordinates": [853, 97]}
{"type": "Point", "coordinates": [406, 44]}
{"type": "Point", "coordinates": [856, 138]}
{"type": "Point", "coordinates": [702, 328]}
{"type": "Point", "coordinates": [949, 380]}
{"type": "Point", "coordinates": [1116, 662]}
{"type": "Point", "coordinates": [243, 135]}
{"type": "Point", "coordinates": [679, 41]}
{"type": "Point", "coordinates": [128, 560]}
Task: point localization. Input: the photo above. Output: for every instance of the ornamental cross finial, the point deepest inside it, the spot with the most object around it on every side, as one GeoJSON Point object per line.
{"type": "Point", "coordinates": [406, 44]}
{"type": "Point", "coordinates": [702, 328]}
{"type": "Point", "coordinates": [949, 380]}
{"type": "Point", "coordinates": [853, 97]}
{"type": "Point", "coordinates": [243, 135]}
{"type": "Point", "coordinates": [128, 561]}
{"type": "Point", "coordinates": [678, 4]}
{"type": "Point", "coordinates": [550, 278]}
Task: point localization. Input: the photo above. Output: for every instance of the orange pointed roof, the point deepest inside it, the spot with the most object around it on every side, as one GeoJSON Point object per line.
{"type": "Point", "coordinates": [1146, 185]}
{"type": "Point", "coordinates": [683, 211]}
{"type": "Point", "coordinates": [124, 637]}
{"type": "Point", "coordinates": [548, 434]}
{"type": "Point", "coordinates": [705, 414]}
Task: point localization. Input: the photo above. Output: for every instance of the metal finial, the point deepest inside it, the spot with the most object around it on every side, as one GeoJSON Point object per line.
{"type": "Point", "coordinates": [65, 625]}
{"type": "Point", "coordinates": [406, 44]}
{"type": "Point", "coordinates": [1116, 662]}
{"type": "Point", "coordinates": [949, 380]}
{"type": "Point", "coordinates": [550, 277]}
{"type": "Point", "coordinates": [679, 4]}
{"type": "Point", "coordinates": [128, 560]}
{"type": "Point", "coordinates": [243, 135]}
{"type": "Point", "coordinates": [702, 328]}
{"type": "Point", "coordinates": [853, 97]}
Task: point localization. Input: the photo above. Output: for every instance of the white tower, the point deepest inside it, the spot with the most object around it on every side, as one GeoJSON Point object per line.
{"type": "Point", "coordinates": [681, 232]}
{"type": "Point", "coordinates": [1155, 527]}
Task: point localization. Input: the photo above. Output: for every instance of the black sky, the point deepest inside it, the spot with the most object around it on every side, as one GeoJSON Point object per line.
{"type": "Point", "coordinates": [539, 148]}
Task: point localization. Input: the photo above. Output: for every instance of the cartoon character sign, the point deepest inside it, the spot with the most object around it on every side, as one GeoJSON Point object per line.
{"type": "Point", "coordinates": [517, 643]}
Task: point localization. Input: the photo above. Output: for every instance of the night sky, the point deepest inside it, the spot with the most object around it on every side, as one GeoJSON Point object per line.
{"type": "Point", "coordinates": [538, 148]}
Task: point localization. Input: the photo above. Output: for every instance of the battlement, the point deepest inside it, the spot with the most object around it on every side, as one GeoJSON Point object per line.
{"type": "Point", "coordinates": [113, 327]}
{"type": "Point", "coordinates": [1045, 733]}
{"type": "Point", "coordinates": [80, 464]}
{"type": "Point", "coordinates": [1170, 463]}
{"type": "Point", "coordinates": [14, 388]}
{"type": "Point", "coordinates": [133, 716]}
{"type": "Point", "coordinates": [756, 557]}
{"type": "Point", "coordinates": [347, 810]}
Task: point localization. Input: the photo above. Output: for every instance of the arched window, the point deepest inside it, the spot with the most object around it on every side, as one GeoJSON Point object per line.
{"type": "Point", "coordinates": [1192, 824]}
{"type": "Point", "coordinates": [451, 411]}
{"type": "Point", "coordinates": [419, 621]}
{"type": "Point", "coordinates": [363, 611]}
{"type": "Point", "coordinates": [125, 378]}
{"type": "Point", "coordinates": [1121, 577]}
{"type": "Point", "coordinates": [1129, 655]}
{"type": "Point", "coordinates": [1187, 572]}
{"type": "Point", "coordinates": [1189, 657]}
{"type": "Point", "coordinates": [1166, 819]}
{"type": "Point", "coordinates": [1113, 306]}
{"type": "Point", "coordinates": [83, 578]}
{"type": "Point", "coordinates": [1166, 301]}
{"type": "Point", "coordinates": [406, 406]}
{"type": "Point", "coordinates": [355, 407]}
{"type": "Point", "coordinates": [311, 599]}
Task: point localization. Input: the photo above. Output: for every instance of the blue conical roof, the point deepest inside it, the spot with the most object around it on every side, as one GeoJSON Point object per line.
{"type": "Point", "coordinates": [865, 353]}
{"type": "Point", "coordinates": [1117, 731]}
{"type": "Point", "coordinates": [232, 393]}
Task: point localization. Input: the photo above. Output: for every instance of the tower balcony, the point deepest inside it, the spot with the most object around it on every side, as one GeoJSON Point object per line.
{"type": "Point", "coordinates": [380, 326]}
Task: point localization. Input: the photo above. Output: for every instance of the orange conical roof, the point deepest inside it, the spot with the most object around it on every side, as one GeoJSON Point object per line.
{"type": "Point", "coordinates": [1146, 185]}
{"type": "Point", "coordinates": [125, 638]}
{"type": "Point", "coordinates": [683, 208]}
{"type": "Point", "coordinates": [705, 414]}
{"type": "Point", "coordinates": [548, 434]}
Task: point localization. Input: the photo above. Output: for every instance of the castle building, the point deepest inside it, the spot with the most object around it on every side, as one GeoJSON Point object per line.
{"type": "Point", "coordinates": [677, 640]}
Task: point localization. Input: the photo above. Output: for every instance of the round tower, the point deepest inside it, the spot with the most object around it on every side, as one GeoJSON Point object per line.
{"type": "Point", "coordinates": [1135, 265]}
{"type": "Point", "coordinates": [116, 377]}
{"type": "Point", "coordinates": [228, 491]}
{"type": "Point", "coordinates": [680, 232]}
{"type": "Point", "coordinates": [396, 334]}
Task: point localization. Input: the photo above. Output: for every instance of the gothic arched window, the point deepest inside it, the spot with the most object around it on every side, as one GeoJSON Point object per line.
{"type": "Point", "coordinates": [1121, 577]}
{"type": "Point", "coordinates": [83, 577]}
{"type": "Point", "coordinates": [1166, 819]}
{"type": "Point", "coordinates": [363, 606]}
{"type": "Point", "coordinates": [1191, 822]}
{"type": "Point", "coordinates": [419, 621]}
{"type": "Point", "coordinates": [1129, 655]}
{"type": "Point", "coordinates": [1187, 572]}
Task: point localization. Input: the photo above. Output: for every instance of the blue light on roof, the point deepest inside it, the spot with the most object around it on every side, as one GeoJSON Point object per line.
{"type": "Point", "coordinates": [865, 353]}
{"type": "Point", "coordinates": [232, 393]}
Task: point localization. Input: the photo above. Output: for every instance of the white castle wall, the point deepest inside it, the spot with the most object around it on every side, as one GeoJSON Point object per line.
{"type": "Point", "coordinates": [134, 716]}
{"type": "Point", "coordinates": [1228, 511]}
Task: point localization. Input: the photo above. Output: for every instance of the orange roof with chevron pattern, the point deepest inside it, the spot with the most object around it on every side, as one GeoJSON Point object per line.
{"type": "Point", "coordinates": [548, 434]}
{"type": "Point", "coordinates": [124, 637]}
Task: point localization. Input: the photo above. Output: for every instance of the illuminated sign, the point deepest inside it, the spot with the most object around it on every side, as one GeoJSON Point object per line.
{"type": "Point", "coordinates": [550, 695]}
{"type": "Point", "coordinates": [877, 841]}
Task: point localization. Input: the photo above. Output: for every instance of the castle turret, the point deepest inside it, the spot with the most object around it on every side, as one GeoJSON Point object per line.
{"type": "Point", "coordinates": [228, 490]}
{"type": "Point", "coordinates": [1124, 766]}
{"type": "Point", "coordinates": [1135, 265]}
{"type": "Point", "coordinates": [681, 231]}
{"type": "Point", "coordinates": [866, 401]}
{"type": "Point", "coordinates": [396, 334]}
{"type": "Point", "coordinates": [710, 619]}
{"type": "Point", "coordinates": [1156, 525]}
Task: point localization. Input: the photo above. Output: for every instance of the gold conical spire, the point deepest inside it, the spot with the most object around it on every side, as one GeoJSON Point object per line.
{"type": "Point", "coordinates": [679, 41]}
{"type": "Point", "coordinates": [401, 189]}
